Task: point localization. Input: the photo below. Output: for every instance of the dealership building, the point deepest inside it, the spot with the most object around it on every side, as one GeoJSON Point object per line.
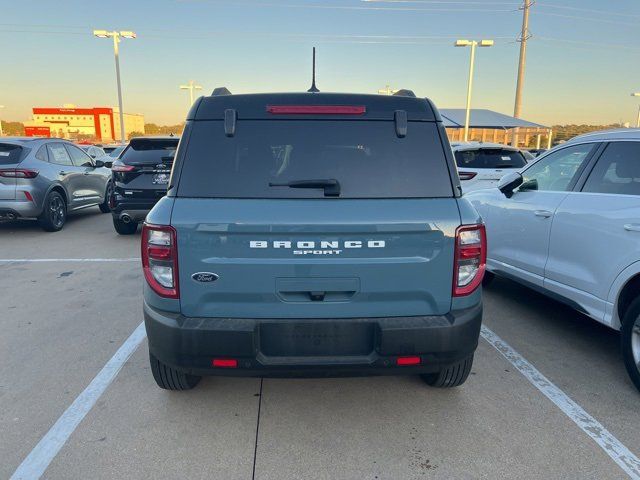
{"type": "Point", "coordinates": [100, 124]}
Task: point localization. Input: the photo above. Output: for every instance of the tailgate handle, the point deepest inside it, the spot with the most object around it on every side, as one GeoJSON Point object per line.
{"type": "Point", "coordinates": [317, 296]}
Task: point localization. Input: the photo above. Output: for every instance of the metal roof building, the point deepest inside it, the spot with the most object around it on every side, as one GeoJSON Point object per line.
{"type": "Point", "coordinates": [489, 126]}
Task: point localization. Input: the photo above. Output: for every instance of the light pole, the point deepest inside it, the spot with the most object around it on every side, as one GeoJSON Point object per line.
{"type": "Point", "coordinates": [473, 44]}
{"type": "Point", "coordinates": [387, 90]}
{"type": "Point", "coordinates": [1, 133]}
{"type": "Point", "coordinates": [191, 86]}
{"type": "Point", "coordinates": [116, 51]}
{"type": "Point", "coordinates": [638, 119]}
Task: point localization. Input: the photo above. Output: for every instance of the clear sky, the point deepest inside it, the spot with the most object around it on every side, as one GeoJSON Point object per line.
{"type": "Point", "coordinates": [583, 59]}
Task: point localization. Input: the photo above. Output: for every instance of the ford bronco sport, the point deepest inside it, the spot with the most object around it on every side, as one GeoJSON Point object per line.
{"type": "Point", "coordinates": [313, 234]}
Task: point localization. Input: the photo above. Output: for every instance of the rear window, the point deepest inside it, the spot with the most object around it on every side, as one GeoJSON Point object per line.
{"type": "Point", "coordinates": [366, 157]}
{"type": "Point", "coordinates": [489, 158]}
{"type": "Point", "coordinates": [147, 150]}
{"type": "Point", "coordinates": [9, 154]}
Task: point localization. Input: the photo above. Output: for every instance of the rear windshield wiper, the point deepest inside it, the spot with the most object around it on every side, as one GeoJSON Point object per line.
{"type": "Point", "coordinates": [330, 185]}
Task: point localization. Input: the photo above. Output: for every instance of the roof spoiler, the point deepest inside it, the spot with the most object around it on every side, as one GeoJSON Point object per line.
{"type": "Point", "coordinates": [404, 93]}
{"type": "Point", "coordinates": [220, 91]}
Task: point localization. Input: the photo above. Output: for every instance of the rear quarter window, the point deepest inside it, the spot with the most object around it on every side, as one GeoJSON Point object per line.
{"type": "Point", "coordinates": [366, 157]}
{"type": "Point", "coordinates": [10, 154]}
{"type": "Point", "coordinates": [489, 158]}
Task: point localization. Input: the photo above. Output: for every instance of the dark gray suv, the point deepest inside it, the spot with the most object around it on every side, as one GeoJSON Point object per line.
{"type": "Point", "coordinates": [46, 178]}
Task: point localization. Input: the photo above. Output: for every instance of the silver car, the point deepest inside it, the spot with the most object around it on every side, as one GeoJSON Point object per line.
{"type": "Point", "coordinates": [569, 226]}
{"type": "Point", "coordinates": [47, 178]}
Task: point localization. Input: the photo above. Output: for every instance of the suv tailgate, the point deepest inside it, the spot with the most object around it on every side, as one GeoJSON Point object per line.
{"type": "Point", "coordinates": [277, 258]}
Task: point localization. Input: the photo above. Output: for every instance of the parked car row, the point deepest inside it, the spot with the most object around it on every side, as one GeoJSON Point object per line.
{"type": "Point", "coordinates": [49, 178]}
{"type": "Point", "coordinates": [568, 226]}
{"type": "Point", "coordinates": [266, 231]}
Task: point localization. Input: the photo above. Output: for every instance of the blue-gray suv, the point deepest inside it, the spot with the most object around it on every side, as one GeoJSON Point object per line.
{"type": "Point", "coordinates": [47, 179]}
{"type": "Point", "coordinates": [313, 234]}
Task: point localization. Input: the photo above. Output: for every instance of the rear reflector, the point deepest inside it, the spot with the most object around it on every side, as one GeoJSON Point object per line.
{"type": "Point", "coordinates": [28, 195]}
{"type": "Point", "coordinates": [316, 109]}
{"type": "Point", "coordinates": [405, 361]}
{"type": "Point", "coordinates": [225, 362]}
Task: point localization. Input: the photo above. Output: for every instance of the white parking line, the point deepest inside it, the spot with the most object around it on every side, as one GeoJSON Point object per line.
{"type": "Point", "coordinates": [48, 447]}
{"type": "Point", "coordinates": [44, 260]}
{"type": "Point", "coordinates": [610, 444]}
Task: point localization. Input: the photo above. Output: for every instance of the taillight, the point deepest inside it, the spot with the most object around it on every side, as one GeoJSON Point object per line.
{"type": "Point", "coordinates": [121, 167]}
{"type": "Point", "coordinates": [18, 173]}
{"type": "Point", "coordinates": [470, 259]}
{"type": "Point", "coordinates": [160, 259]}
{"type": "Point", "coordinates": [466, 175]}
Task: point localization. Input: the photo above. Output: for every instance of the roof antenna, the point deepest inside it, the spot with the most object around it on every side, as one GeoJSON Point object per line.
{"type": "Point", "coordinates": [313, 88]}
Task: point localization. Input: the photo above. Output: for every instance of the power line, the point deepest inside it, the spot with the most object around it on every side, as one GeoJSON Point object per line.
{"type": "Point", "coordinates": [586, 10]}
{"type": "Point", "coordinates": [441, 2]}
{"type": "Point", "coordinates": [590, 19]}
{"type": "Point", "coordinates": [353, 7]}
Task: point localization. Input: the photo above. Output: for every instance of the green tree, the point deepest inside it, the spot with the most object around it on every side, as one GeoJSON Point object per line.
{"type": "Point", "coordinates": [13, 128]}
{"type": "Point", "coordinates": [135, 134]}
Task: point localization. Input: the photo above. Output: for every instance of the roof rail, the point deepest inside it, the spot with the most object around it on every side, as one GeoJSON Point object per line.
{"type": "Point", "coordinates": [218, 92]}
{"type": "Point", "coordinates": [404, 93]}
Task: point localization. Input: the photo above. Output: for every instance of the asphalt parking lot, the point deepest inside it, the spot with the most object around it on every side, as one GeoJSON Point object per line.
{"type": "Point", "coordinates": [64, 318]}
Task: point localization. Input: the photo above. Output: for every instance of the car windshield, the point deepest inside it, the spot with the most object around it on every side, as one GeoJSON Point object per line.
{"type": "Point", "coordinates": [489, 158]}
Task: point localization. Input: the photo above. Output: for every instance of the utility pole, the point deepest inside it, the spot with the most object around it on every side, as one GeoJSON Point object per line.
{"type": "Point", "coordinates": [524, 36]}
{"type": "Point", "coordinates": [191, 86]}
{"type": "Point", "coordinates": [1, 133]}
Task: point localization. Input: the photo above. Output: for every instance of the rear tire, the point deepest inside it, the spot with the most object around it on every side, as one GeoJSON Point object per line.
{"type": "Point", "coordinates": [631, 341]}
{"type": "Point", "coordinates": [124, 228]}
{"type": "Point", "coordinates": [54, 212]}
{"type": "Point", "coordinates": [104, 206]}
{"type": "Point", "coordinates": [451, 376]}
{"type": "Point", "coordinates": [170, 378]}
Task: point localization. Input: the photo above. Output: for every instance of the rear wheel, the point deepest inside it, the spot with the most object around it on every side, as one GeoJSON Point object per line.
{"type": "Point", "coordinates": [104, 206]}
{"type": "Point", "coordinates": [631, 341]}
{"type": "Point", "coordinates": [451, 376]}
{"type": "Point", "coordinates": [54, 212]}
{"type": "Point", "coordinates": [170, 378]}
{"type": "Point", "coordinates": [124, 228]}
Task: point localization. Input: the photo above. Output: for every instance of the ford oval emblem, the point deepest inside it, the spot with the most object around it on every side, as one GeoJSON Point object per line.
{"type": "Point", "coordinates": [204, 277]}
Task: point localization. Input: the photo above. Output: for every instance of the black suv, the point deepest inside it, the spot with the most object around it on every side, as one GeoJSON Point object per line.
{"type": "Point", "coordinates": [140, 178]}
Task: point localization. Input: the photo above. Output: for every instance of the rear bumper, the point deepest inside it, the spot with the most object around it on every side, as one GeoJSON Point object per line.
{"type": "Point", "coordinates": [332, 347]}
{"type": "Point", "coordinates": [135, 209]}
{"type": "Point", "coordinates": [11, 209]}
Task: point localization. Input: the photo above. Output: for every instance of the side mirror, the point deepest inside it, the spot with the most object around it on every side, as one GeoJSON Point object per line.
{"type": "Point", "coordinates": [509, 183]}
{"type": "Point", "coordinates": [98, 163]}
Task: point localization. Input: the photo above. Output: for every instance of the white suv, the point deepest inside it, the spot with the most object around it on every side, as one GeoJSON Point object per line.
{"type": "Point", "coordinates": [482, 165]}
{"type": "Point", "coordinates": [569, 226]}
